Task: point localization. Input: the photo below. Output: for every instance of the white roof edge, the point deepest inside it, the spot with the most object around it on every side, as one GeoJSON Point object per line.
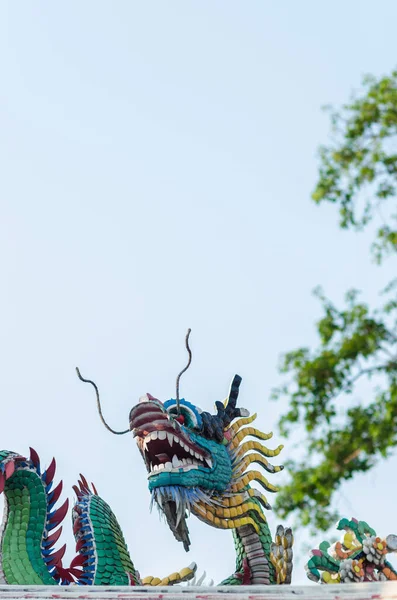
{"type": "Point", "coordinates": [356, 591]}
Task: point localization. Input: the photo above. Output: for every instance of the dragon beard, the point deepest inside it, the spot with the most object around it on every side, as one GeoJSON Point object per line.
{"type": "Point", "coordinates": [176, 503]}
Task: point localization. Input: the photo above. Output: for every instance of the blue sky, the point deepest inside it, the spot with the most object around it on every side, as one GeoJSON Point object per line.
{"type": "Point", "coordinates": [157, 160]}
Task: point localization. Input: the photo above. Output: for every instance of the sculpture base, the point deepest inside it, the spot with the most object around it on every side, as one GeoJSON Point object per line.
{"type": "Point", "coordinates": [357, 591]}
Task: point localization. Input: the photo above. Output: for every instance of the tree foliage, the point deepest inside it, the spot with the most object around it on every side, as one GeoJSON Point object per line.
{"type": "Point", "coordinates": [358, 171]}
{"type": "Point", "coordinates": [346, 435]}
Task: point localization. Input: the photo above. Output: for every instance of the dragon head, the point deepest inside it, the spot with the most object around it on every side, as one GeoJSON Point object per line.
{"type": "Point", "coordinates": [195, 462]}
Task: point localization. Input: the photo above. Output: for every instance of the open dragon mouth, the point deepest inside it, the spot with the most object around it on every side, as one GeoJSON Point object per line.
{"type": "Point", "coordinates": [162, 442]}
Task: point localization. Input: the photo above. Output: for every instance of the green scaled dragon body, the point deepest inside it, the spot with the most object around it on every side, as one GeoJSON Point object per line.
{"type": "Point", "coordinates": [31, 528]}
{"type": "Point", "coordinates": [197, 463]}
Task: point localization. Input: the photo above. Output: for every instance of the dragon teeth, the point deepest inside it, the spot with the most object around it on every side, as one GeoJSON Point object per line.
{"type": "Point", "coordinates": [186, 463]}
{"type": "Point", "coordinates": [194, 460]}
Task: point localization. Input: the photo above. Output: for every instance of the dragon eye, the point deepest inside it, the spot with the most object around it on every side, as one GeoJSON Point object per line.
{"type": "Point", "coordinates": [186, 414]}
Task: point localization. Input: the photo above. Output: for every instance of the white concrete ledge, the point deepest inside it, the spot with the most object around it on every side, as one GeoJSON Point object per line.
{"type": "Point", "coordinates": [358, 591]}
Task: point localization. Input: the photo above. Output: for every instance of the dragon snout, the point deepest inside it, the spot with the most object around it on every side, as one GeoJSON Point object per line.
{"type": "Point", "coordinates": [147, 415]}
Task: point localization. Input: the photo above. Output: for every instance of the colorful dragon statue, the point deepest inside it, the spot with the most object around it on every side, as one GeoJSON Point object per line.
{"type": "Point", "coordinates": [359, 556]}
{"type": "Point", "coordinates": [197, 463]}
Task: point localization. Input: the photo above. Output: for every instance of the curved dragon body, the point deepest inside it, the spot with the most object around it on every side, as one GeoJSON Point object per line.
{"type": "Point", "coordinates": [197, 463]}
{"type": "Point", "coordinates": [31, 528]}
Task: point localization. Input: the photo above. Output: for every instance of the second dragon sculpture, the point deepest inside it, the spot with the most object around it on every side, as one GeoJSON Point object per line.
{"type": "Point", "coordinates": [360, 556]}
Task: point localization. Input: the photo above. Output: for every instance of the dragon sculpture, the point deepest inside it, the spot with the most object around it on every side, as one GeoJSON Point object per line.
{"type": "Point", "coordinates": [197, 463]}
{"type": "Point", "coordinates": [359, 556]}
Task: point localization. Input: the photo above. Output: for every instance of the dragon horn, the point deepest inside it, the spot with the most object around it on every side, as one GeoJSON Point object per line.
{"type": "Point", "coordinates": [228, 411]}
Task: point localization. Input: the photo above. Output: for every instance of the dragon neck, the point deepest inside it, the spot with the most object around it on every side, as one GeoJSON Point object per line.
{"type": "Point", "coordinates": [241, 507]}
{"type": "Point", "coordinates": [252, 542]}
{"type": "Point", "coordinates": [255, 549]}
